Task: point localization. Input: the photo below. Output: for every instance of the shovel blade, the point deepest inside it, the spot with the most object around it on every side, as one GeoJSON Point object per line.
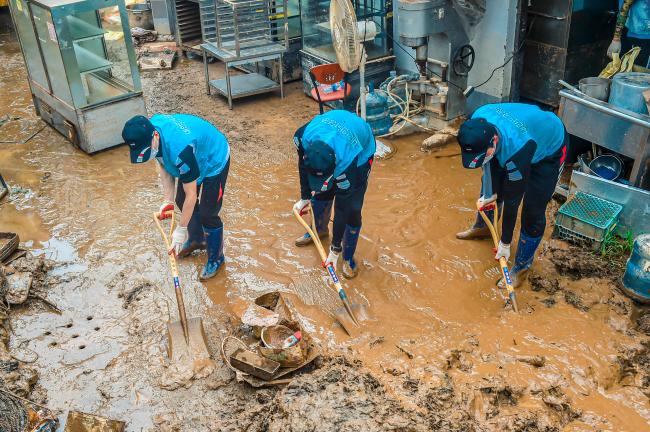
{"type": "Point", "coordinates": [194, 349]}
{"type": "Point", "coordinates": [346, 321]}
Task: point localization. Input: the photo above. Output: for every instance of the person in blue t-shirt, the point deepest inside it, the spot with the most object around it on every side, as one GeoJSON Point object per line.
{"type": "Point", "coordinates": [335, 154]}
{"type": "Point", "coordinates": [524, 148]}
{"type": "Point", "coordinates": [193, 151]}
{"type": "Point", "coordinates": [632, 29]}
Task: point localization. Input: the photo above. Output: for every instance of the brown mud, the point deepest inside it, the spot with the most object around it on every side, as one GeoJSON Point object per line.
{"type": "Point", "coordinates": [439, 353]}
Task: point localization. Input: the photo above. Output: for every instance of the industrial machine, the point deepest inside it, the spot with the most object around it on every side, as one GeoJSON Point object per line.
{"type": "Point", "coordinates": [439, 31]}
{"type": "Point", "coordinates": [81, 66]}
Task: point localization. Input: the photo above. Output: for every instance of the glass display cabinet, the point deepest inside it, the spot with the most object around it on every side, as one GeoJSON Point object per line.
{"type": "Point", "coordinates": [316, 37]}
{"type": "Point", "coordinates": [82, 67]}
{"type": "Point", "coordinates": [317, 43]}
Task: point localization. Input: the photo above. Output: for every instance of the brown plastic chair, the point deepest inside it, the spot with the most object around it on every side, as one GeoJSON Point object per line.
{"type": "Point", "coordinates": [325, 75]}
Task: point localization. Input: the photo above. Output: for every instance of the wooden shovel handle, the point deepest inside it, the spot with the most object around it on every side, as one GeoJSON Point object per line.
{"type": "Point", "coordinates": [174, 268]}
{"type": "Point", "coordinates": [503, 263]}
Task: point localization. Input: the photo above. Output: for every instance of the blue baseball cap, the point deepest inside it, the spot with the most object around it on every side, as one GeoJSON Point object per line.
{"type": "Point", "coordinates": [320, 161]}
{"type": "Point", "coordinates": [475, 136]}
{"type": "Point", "coordinates": [137, 133]}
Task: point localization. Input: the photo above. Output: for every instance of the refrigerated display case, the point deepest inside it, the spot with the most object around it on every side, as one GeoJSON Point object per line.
{"type": "Point", "coordinates": [81, 66]}
{"type": "Point", "coordinates": [316, 37]}
{"type": "Point", "coordinates": [317, 43]}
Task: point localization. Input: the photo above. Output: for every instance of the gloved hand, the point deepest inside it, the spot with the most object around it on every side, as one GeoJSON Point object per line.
{"type": "Point", "coordinates": [614, 47]}
{"type": "Point", "coordinates": [503, 251]}
{"type": "Point", "coordinates": [484, 201]}
{"type": "Point", "coordinates": [179, 236]}
{"type": "Point", "coordinates": [302, 207]}
{"type": "Point", "coordinates": [332, 258]}
{"type": "Point", "coordinates": [166, 210]}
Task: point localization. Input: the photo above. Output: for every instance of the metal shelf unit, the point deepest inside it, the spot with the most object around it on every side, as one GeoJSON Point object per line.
{"type": "Point", "coordinates": [243, 32]}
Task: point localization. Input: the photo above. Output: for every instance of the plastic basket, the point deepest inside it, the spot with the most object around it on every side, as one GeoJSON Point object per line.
{"type": "Point", "coordinates": [587, 218]}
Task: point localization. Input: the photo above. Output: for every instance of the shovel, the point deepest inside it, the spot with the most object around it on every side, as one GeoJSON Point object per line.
{"type": "Point", "coordinates": [345, 315]}
{"type": "Point", "coordinates": [488, 202]}
{"type": "Point", "coordinates": [186, 338]}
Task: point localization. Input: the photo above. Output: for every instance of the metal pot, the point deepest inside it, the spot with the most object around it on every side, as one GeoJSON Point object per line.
{"type": "Point", "coordinates": [606, 166]}
{"type": "Point", "coordinates": [627, 91]}
{"type": "Point", "coordinates": [140, 16]}
{"type": "Point", "coordinates": [595, 87]}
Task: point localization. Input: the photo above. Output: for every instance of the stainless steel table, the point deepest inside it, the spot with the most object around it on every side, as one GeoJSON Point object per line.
{"type": "Point", "coordinates": [247, 84]}
{"type": "Point", "coordinates": [618, 130]}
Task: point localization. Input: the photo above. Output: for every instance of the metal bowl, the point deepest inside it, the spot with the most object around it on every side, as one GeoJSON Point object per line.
{"type": "Point", "coordinates": [607, 166]}
{"type": "Point", "coordinates": [595, 87]}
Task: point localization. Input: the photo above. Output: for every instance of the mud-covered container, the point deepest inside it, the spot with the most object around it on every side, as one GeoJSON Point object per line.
{"type": "Point", "coordinates": [273, 338]}
{"type": "Point", "coordinates": [636, 280]}
{"type": "Point", "coordinates": [377, 114]}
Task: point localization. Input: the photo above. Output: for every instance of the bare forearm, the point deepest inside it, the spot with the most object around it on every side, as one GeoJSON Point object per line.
{"type": "Point", "coordinates": [188, 208]}
{"type": "Point", "coordinates": [167, 182]}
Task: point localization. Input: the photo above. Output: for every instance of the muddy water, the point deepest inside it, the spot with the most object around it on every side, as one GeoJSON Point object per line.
{"type": "Point", "coordinates": [427, 292]}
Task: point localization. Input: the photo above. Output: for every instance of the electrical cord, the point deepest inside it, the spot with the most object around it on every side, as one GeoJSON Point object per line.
{"type": "Point", "coordinates": [519, 48]}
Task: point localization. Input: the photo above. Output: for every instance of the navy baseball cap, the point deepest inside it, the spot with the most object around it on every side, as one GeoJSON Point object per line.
{"type": "Point", "coordinates": [320, 161]}
{"type": "Point", "coordinates": [137, 133]}
{"type": "Point", "coordinates": [475, 136]}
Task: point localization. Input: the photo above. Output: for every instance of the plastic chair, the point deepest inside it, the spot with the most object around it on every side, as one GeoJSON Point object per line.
{"type": "Point", "coordinates": [325, 75]}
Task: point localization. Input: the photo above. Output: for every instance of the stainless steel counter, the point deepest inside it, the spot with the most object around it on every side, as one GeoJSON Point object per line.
{"type": "Point", "coordinates": [618, 130]}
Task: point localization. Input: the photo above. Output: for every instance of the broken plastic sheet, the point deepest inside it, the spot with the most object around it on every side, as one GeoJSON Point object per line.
{"type": "Point", "coordinates": [471, 10]}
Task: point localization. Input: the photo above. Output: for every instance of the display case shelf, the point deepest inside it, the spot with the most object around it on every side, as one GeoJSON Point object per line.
{"type": "Point", "coordinates": [80, 30]}
{"type": "Point", "coordinates": [89, 62]}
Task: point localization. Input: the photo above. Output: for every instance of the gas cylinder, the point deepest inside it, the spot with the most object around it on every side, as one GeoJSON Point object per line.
{"type": "Point", "coordinates": [377, 112]}
{"type": "Point", "coordinates": [636, 280]}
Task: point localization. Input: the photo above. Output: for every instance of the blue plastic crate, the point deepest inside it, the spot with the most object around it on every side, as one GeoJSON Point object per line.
{"type": "Point", "coordinates": [587, 217]}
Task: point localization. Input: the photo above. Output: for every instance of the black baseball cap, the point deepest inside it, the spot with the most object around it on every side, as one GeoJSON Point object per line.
{"type": "Point", "coordinates": [320, 161]}
{"type": "Point", "coordinates": [137, 133]}
{"type": "Point", "coordinates": [475, 136]}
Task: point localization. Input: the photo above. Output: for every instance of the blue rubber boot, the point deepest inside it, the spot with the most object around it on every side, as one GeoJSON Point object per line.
{"type": "Point", "coordinates": [195, 238]}
{"type": "Point", "coordinates": [523, 259]}
{"type": "Point", "coordinates": [214, 240]}
{"type": "Point", "coordinates": [350, 240]}
{"type": "Point", "coordinates": [322, 213]}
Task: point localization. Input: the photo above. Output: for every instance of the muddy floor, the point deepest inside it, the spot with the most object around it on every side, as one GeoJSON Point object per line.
{"type": "Point", "coordinates": [440, 352]}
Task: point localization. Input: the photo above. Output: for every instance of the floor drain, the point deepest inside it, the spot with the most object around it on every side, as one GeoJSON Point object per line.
{"type": "Point", "coordinates": [82, 346]}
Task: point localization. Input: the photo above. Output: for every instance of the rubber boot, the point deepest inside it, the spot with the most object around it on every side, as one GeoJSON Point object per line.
{"type": "Point", "coordinates": [523, 259]}
{"type": "Point", "coordinates": [214, 240]}
{"type": "Point", "coordinates": [479, 230]}
{"type": "Point", "coordinates": [196, 237]}
{"type": "Point", "coordinates": [350, 240]}
{"type": "Point", "coordinates": [322, 213]}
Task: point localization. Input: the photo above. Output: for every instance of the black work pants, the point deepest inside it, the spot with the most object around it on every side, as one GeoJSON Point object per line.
{"type": "Point", "coordinates": [544, 176]}
{"type": "Point", "coordinates": [347, 202]}
{"type": "Point", "coordinates": [210, 200]}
